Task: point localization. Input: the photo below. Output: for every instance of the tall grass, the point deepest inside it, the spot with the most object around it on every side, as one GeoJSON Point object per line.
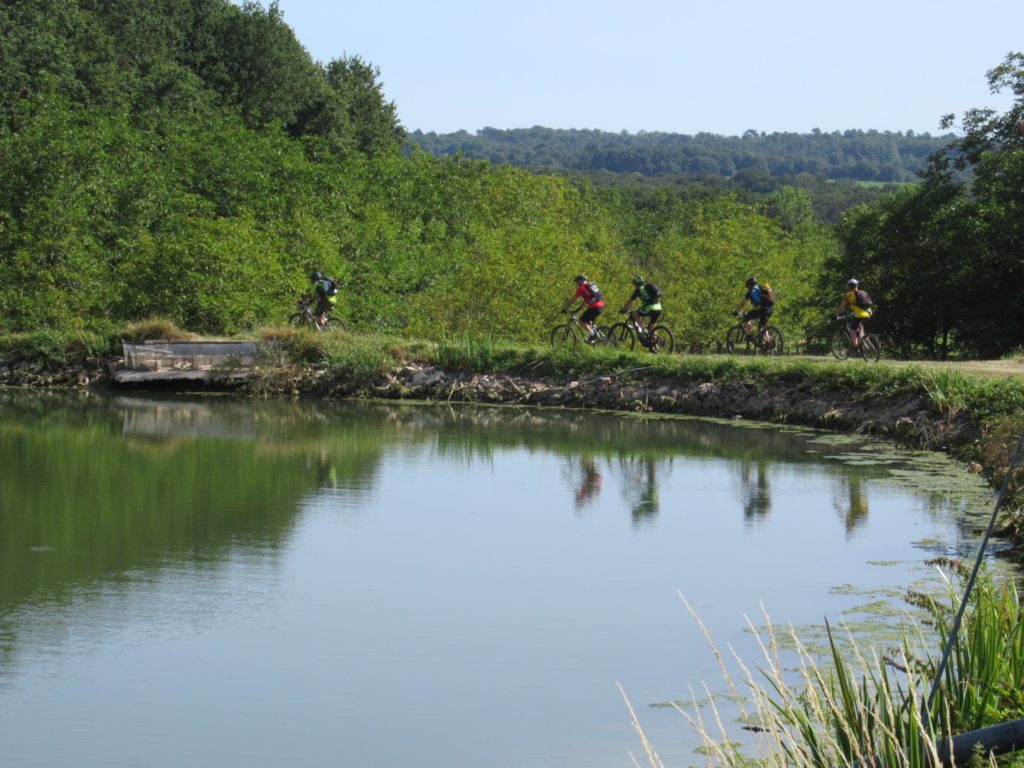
{"type": "Point", "coordinates": [859, 707]}
{"type": "Point", "coordinates": [56, 348]}
{"type": "Point", "coordinates": [947, 389]}
{"type": "Point", "coordinates": [467, 352]}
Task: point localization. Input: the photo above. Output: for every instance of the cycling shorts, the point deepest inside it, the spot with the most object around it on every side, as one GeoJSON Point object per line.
{"type": "Point", "coordinates": [761, 313]}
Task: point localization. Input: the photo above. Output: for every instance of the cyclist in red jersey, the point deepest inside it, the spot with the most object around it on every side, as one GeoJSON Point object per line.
{"type": "Point", "coordinates": [591, 298]}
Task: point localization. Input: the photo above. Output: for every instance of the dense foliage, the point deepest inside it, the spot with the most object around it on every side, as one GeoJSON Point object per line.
{"type": "Point", "coordinates": [944, 258]}
{"type": "Point", "coordinates": [188, 159]}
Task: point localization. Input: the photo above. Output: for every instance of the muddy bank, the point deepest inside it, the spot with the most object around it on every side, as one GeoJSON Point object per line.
{"type": "Point", "coordinates": [906, 418]}
{"type": "Point", "coordinates": [903, 417]}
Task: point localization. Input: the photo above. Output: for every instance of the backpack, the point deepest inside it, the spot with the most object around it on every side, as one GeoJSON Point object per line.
{"type": "Point", "coordinates": [653, 293]}
{"type": "Point", "coordinates": [768, 293]}
{"type": "Point", "coordinates": [864, 299]}
{"type": "Point", "coordinates": [330, 287]}
{"type": "Point", "coordinates": [595, 293]}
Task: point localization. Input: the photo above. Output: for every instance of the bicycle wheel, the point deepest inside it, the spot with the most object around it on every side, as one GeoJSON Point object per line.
{"type": "Point", "coordinates": [661, 341]}
{"type": "Point", "coordinates": [300, 320]}
{"type": "Point", "coordinates": [623, 335]}
{"type": "Point", "coordinates": [334, 325]}
{"type": "Point", "coordinates": [564, 335]}
{"type": "Point", "coordinates": [605, 337]}
{"type": "Point", "coordinates": [870, 348]}
{"type": "Point", "coordinates": [840, 345]}
{"type": "Point", "coordinates": [767, 343]}
{"type": "Point", "coordinates": [777, 338]}
{"type": "Point", "coordinates": [736, 340]}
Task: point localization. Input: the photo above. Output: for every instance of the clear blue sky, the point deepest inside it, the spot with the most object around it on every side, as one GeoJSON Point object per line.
{"type": "Point", "coordinates": [680, 66]}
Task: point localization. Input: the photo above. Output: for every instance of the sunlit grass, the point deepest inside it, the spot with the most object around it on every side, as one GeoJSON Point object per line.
{"type": "Point", "coordinates": [155, 328]}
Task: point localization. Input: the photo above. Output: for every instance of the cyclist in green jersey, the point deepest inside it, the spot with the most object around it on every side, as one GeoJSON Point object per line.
{"type": "Point", "coordinates": [649, 296]}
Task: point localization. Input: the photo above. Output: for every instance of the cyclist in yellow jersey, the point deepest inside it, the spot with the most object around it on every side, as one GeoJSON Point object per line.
{"type": "Point", "coordinates": [857, 305]}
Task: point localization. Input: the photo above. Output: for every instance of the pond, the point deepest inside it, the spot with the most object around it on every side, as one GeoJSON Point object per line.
{"type": "Point", "coordinates": [204, 582]}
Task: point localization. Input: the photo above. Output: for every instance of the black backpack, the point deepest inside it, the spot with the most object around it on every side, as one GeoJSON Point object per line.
{"type": "Point", "coordinates": [330, 287]}
{"type": "Point", "coordinates": [864, 299]}
{"type": "Point", "coordinates": [653, 293]}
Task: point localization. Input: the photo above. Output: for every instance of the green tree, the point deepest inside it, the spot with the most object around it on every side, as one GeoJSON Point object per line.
{"type": "Point", "coordinates": [944, 258]}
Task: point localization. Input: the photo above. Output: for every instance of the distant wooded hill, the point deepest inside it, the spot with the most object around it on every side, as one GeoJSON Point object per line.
{"type": "Point", "coordinates": [855, 155]}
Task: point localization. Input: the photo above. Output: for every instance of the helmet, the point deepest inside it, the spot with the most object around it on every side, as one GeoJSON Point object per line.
{"type": "Point", "coordinates": [751, 282]}
{"type": "Point", "coordinates": [639, 280]}
{"type": "Point", "coordinates": [317, 276]}
{"type": "Point", "coordinates": [580, 279]}
{"type": "Point", "coordinates": [853, 281]}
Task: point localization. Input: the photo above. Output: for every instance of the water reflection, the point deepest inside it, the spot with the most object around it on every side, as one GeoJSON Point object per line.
{"type": "Point", "coordinates": [851, 502]}
{"type": "Point", "coordinates": [756, 496]}
{"type": "Point", "coordinates": [589, 481]}
{"type": "Point", "coordinates": [127, 482]}
{"type": "Point", "coordinates": [640, 488]}
{"type": "Point", "coordinates": [388, 540]}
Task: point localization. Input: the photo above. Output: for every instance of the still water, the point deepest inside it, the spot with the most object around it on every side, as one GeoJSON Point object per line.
{"type": "Point", "coordinates": [208, 583]}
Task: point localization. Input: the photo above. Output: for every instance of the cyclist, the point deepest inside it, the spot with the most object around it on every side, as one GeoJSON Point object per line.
{"type": "Point", "coordinates": [592, 298]}
{"type": "Point", "coordinates": [857, 305]}
{"type": "Point", "coordinates": [325, 290]}
{"type": "Point", "coordinates": [762, 300]}
{"type": "Point", "coordinates": [649, 296]}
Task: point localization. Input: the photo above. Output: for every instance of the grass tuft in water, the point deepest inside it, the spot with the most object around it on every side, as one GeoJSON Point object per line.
{"type": "Point", "coordinates": [854, 708]}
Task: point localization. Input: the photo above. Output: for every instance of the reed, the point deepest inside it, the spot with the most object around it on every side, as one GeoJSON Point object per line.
{"type": "Point", "coordinates": [859, 707]}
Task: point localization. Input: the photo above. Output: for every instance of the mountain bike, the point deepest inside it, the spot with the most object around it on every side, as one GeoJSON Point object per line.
{"type": "Point", "coordinates": [627, 334]}
{"type": "Point", "coordinates": [572, 333]}
{"type": "Point", "coordinates": [765, 341]}
{"type": "Point", "coordinates": [870, 347]}
{"type": "Point", "coordinates": [306, 316]}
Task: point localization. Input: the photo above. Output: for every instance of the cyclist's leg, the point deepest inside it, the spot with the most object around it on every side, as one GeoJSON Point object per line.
{"type": "Point", "coordinates": [748, 328]}
{"type": "Point", "coordinates": [854, 330]}
{"type": "Point", "coordinates": [766, 312]}
{"type": "Point", "coordinates": [323, 306]}
{"type": "Point", "coordinates": [587, 320]}
{"type": "Point", "coordinates": [653, 316]}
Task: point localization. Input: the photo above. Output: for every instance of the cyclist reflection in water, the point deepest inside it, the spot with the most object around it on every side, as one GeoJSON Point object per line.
{"type": "Point", "coordinates": [757, 500]}
{"type": "Point", "coordinates": [855, 510]}
{"type": "Point", "coordinates": [590, 487]}
{"type": "Point", "coordinates": [641, 490]}
{"type": "Point", "coordinates": [326, 474]}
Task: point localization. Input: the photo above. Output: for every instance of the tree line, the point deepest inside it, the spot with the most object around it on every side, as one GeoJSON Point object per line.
{"type": "Point", "coordinates": [188, 159]}
{"type": "Point", "coordinates": [946, 256]}
{"type": "Point", "coordinates": [857, 155]}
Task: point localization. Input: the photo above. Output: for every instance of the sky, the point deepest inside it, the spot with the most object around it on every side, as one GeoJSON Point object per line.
{"type": "Point", "coordinates": [677, 66]}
